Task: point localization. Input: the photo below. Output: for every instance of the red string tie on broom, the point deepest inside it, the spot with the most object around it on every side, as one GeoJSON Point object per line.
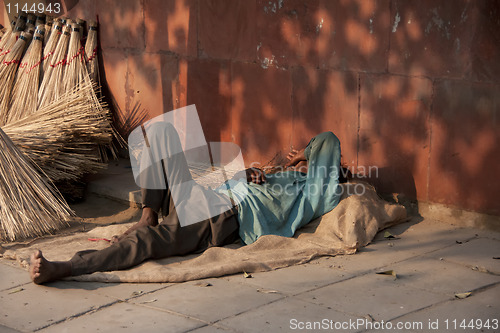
{"type": "Point", "coordinates": [34, 66]}
{"type": "Point", "coordinates": [94, 54]}
{"type": "Point", "coordinates": [63, 62]}
{"type": "Point", "coordinates": [99, 239]}
{"type": "Point", "coordinates": [48, 55]}
{"type": "Point", "coordinates": [80, 52]}
{"type": "Point", "coordinates": [10, 62]}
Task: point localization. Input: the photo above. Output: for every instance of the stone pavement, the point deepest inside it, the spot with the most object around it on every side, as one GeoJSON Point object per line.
{"type": "Point", "coordinates": [432, 261]}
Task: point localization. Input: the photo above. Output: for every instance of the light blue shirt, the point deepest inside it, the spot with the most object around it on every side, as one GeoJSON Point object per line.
{"type": "Point", "coordinates": [290, 199]}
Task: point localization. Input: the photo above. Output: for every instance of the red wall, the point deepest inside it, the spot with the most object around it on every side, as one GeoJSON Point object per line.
{"type": "Point", "coordinates": [411, 86]}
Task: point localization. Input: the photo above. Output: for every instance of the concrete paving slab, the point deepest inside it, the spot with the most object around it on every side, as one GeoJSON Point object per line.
{"type": "Point", "coordinates": [380, 296]}
{"type": "Point", "coordinates": [12, 277]}
{"type": "Point", "coordinates": [5, 329]}
{"type": "Point", "coordinates": [478, 254]}
{"type": "Point", "coordinates": [413, 239]}
{"type": "Point", "coordinates": [286, 315]}
{"type": "Point", "coordinates": [429, 227]}
{"type": "Point", "coordinates": [220, 300]}
{"type": "Point", "coordinates": [293, 280]}
{"type": "Point", "coordinates": [439, 276]}
{"type": "Point", "coordinates": [212, 329]}
{"type": "Point", "coordinates": [34, 306]}
{"type": "Point", "coordinates": [120, 291]}
{"type": "Point", "coordinates": [480, 307]}
{"type": "Point", "coordinates": [125, 317]}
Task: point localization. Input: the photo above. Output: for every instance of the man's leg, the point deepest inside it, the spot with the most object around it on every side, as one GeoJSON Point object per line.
{"type": "Point", "coordinates": [161, 241]}
{"type": "Point", "coordinates": [162, 141]}
{"type": "Point", "coordinates": [321, 188]}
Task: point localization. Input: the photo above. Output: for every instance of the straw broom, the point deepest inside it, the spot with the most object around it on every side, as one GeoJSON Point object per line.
{"type": "Point", "coordinates": [30, 28]}
{"type": "Point", "coordinates": [40, 24]}
{"type": "Point", "coordinates": [50, 46]}
{"type": "Point", "coordinates": [14, 36]}
{"type": "Point", "coordinates": [40, 20]}
{"type": "Point", "coordinates": [31, 19]}
{"type": "Point", "coordinates": [61, 137]}
{"type": "Point", "coordinates": [48, 30]}
{"type": "Point", "coordinates": [25, 91]}
{"type": "Point", "coordinates": [7, 32]}
{"type": "Point", "coordinates": [10, 42]}
{"type": "Point", "coordinates": [29, 205]}
{"type": "Point", "coordinates": [20, 21]}
{"type": "Point", "coordinates": [91, 52]}
{"type": "Point", "coordinates": [52, 83]}
{"type": "Point", "coordinates": [81, 23]}
{"type": "Point", "coordinates": [8, 69]}
{"type": "Point", "coordinates": [76, 73]}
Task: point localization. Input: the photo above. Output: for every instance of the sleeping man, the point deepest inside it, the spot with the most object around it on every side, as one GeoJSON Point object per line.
{"type": "Point", "coordinates": [277, 204]}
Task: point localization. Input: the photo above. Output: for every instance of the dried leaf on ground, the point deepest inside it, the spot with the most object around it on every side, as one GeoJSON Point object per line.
{"type": "Point", "coordinates": [369, 318]}
{"type": "Point", "coordinates": [388, 234]}
{"type": "Point", "coordinates": [267, 291]}
{"type": "Point", "coordinates": [247, 276]}
{"type": "Point", "coordinates": [150, 301]}
{"type": "Point", "coordinates": [16, 290]}
{"type": "Point", "coordinates": [463, 295]}
{"type": "Point", "coordinates": [389, 272]}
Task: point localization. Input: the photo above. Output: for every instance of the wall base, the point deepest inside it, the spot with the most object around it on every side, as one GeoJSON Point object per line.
{"type": "Point", "coordinates": [458, 217]}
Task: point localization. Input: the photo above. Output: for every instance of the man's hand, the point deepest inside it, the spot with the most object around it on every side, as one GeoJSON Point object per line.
{"type": "Point", "coordinates": [255, 175]}
{"type": "Point", "coordinates": [295, 157]}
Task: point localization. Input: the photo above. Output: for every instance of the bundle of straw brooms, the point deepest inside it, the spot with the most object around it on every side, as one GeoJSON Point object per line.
{"type": "Point", "coordinates": [29, 205]}
{"type": "Point", "coordinates": [51, 118]}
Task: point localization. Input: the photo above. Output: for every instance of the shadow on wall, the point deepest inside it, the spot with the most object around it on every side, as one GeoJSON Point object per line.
{"type": "Point", "coordinates": [408, 86]}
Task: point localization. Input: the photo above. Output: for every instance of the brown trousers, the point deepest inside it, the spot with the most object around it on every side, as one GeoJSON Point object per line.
{"type": "Point", "coordinates": [168, 238]}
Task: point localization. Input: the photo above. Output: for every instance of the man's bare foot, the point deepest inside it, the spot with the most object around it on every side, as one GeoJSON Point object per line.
{"type": "Point", "coordinates": [148, 218]}
{"type": "Point", "coordinates": [295, 157]}
{"type": "Point", "coordinates": [42, 270]}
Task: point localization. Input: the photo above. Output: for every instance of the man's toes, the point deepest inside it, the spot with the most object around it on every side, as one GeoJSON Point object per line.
{"type": "Point", "coordinates": [37, 254]}
{"type": "Point", "coordinates": [36, 258]}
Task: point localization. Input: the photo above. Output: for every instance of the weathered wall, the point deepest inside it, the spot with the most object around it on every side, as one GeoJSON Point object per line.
{"type": "Point", "coordinates": [411, 86]}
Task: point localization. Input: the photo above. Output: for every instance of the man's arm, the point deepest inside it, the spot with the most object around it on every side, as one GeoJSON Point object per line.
{"type": "Point", "coordinates": [253, 175]}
